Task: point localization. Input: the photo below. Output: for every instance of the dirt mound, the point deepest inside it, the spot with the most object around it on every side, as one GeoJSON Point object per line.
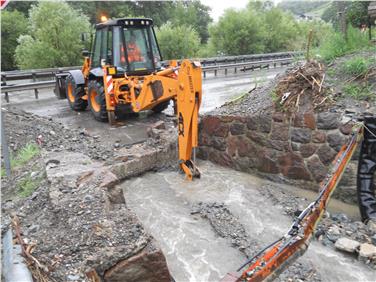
{"type": "Point", "coordinates": [22, 128]}
{"type": "Point", "coordinates": [74, 221]}
{"type": "Point", "coordinates": [305, 80]}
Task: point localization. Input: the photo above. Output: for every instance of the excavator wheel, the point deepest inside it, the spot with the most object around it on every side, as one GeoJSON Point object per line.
{"type": "Point", "coordinates": [161, 107]}
{"type": "Point", "coordinates": [74, 94]}
{"type": "Point", "coordinates": [97, 100]}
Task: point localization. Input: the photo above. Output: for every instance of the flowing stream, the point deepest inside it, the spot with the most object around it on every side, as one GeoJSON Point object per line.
{"type": "Point", "coordinates": [193, 250]}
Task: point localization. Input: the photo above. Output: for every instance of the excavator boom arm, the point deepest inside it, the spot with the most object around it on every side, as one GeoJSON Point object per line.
{"type": "Point", "coordinates": [185, 88]}
{"type": "Point", "coordinates": [272, 260]}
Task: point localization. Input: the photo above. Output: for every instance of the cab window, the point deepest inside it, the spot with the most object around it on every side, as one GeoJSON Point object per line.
{"type": "Point", "coordinates": [96, 57]}
{"type": "Point", "coordinates": [102, 48]}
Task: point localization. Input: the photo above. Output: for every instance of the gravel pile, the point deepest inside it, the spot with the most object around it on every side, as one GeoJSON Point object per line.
{"type": "Point", "coordinates": [227, 226]}
{"type": "Point", "coordinates": [259, 99]}
{"type": "Point", "coordinates": [22, 128]}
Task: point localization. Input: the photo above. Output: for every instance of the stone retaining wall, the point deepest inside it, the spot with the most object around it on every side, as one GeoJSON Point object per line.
{"type": "Point", "coordinates": [297, 147]}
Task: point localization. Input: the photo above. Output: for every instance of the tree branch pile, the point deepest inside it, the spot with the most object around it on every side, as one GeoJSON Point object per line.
{"type": "Point", "coordinates": [305, 80]}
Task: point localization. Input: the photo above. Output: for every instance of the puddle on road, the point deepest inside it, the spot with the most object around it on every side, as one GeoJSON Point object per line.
{"type": "Point", "coordinates": [194, 252]}
{"type": "Point", "coordinates": [216, 93]}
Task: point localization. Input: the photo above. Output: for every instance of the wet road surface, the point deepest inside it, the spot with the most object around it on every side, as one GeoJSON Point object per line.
{"type": "Point", "coordinates": [194, 252]}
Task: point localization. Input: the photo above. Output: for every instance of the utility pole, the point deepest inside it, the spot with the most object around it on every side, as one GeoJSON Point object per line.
{"type": "Point", "coordinates": [341, 8]}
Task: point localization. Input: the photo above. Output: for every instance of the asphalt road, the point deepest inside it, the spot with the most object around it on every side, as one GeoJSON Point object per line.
{"type": "Point", "coordinates": [216, 91]}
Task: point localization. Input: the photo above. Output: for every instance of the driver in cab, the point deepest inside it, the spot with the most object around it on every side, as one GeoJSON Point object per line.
{"type": "Point", "coordinates": [134, 52]}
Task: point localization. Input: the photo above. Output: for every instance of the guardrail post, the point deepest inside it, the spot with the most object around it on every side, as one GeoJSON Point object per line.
{"type": "Point", "coordinates": [35, 89]}
{"type": "Point", "coordinates": [4, 147]}
{"type": "Point", "coordinates": [215, 72]}
{"type": "Point", "coordinates": [4, 79]}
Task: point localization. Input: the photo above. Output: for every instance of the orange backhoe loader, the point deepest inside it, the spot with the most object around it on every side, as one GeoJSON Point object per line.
{"type": "Point", "coordinates": [124, 72]}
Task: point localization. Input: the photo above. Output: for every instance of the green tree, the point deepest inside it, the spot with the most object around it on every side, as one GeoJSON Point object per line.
{"type": "Point", "coordinates": [20, 6]}
{"type": "Point", "coordinates": [178, 42]}
{"type": "Point", "coordinates": [13, 24]}
{"type": "Point", "coordinates": [159, 11]}
{"type": "Point", "coordinates": [356, 13]}
{"type": "Point", "coordinates": [54, 39]}
{"type": "Point", "coordinates": [194, 14]}
{"type": "Point", "coordinates": [321, 31]}
{"type": "Point", "coordinates": [282, 30]}
{"type": "Point", "coordinates": [238, 33]}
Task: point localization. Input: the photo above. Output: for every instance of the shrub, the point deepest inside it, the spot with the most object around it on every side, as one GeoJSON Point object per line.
{"type": "Point", "coordinates": [356, 66]}
{"type": "Point", "coordinates": [359, 92]}
{"type": "Point", "coordinates": [178, 42]}
{"type": "Point", "coordinates": [13, 24]}
{"type": "Point", "coordinates": [54, 39]}
{"type": "Point", "coordinates": [335, 45]}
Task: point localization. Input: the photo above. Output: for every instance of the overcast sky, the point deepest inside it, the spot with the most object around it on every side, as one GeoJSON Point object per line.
{"type": "Point", "coordinates": [218, 6]}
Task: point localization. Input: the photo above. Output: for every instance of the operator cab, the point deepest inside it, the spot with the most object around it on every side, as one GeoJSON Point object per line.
{"type": "Point", "coordinates": [129, 44]}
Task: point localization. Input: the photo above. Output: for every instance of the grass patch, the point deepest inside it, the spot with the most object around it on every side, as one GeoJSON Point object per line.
{"type": "Point", "coordinates": [23, 156]}
{"type": "Point", "coordinates": [356, 66]}
{"type": "Point", "coordinates": [276, 101]}
{"type": "Point", "coordinates": [27, 186]}
{"type": "Point", "coordinates": [358, 92]}
{"type": "Point", "coordinates": [336, 46]}
{"type": "Point", "coordinates": [331, 72]}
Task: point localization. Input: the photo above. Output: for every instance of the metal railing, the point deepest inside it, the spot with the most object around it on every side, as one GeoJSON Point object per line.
{"type": "Point", "coordinates": [241, 63]}
{"type": "Point", "coordinates": [248, 58]}
{"type": "Point", "coordinates": [247, 66]}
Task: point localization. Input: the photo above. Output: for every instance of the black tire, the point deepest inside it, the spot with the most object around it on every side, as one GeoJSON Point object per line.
{"type": "Point", "coordinates": [97, 100]}
{"type": "Point", "coordinates": [161, 107]}
{"type": "Point", "coordinates": [74, 94]}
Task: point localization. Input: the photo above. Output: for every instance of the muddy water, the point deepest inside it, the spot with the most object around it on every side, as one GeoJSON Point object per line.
{"type": "Point", "coordinates": [335, 206]}
{"type": "Point", "coordinates": [194, 252]}
{"type": "Point", "coordinates": [192, 249]}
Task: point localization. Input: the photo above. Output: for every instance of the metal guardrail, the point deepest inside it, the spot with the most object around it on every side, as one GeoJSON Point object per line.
{"type": "Point", "coordinates": [43, 73]}
{"type": "Point", "coordinates": [243, 63]}
{"type": "Point", "coordinates": [37, 73]}
{"type": "Point", "coordinates": [247, 66]}
{"type": "Point", "coordinates": [248, 58]}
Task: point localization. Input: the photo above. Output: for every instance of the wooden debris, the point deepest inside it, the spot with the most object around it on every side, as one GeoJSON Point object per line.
{"type": "Point", "coordinates": [306, 80]}
{"type": "Point", "coordinates": [37, 269]}
{"type": "Point", "coordinates": [322, 81]}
